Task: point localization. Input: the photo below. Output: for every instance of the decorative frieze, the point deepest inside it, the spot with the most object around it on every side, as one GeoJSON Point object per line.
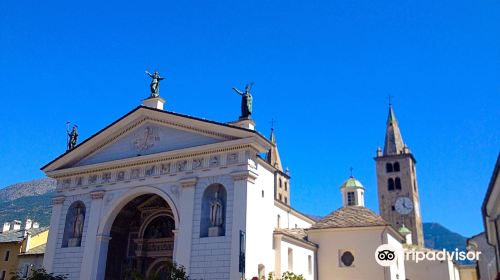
{"type": "Point", "coordinates": [214, 161]}
{"type": "Point", "coordinates": [165, 168]}
{"type": "Point", "coordinates": [134, 174]}
{"type": "Point", "coordinates": [92, 179]}
{"type": "Point", "coordinates": [197, 163]}
{"type": "Point", "coordinates": [179, 167]}
{"type": "Point", "coordinates": [182, 166]}
{"type": "Point", "coordinates": [120, 176]}
{"type": "Point", "coordinates": [150, 171]}
{"type": "Point", "coordinates": [106, 177]}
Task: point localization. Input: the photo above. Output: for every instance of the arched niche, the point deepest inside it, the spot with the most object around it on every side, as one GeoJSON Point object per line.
{"type": "Point", "coordinates": [213, 193]}
{"type": "Point", "coordinates": [73, 226]}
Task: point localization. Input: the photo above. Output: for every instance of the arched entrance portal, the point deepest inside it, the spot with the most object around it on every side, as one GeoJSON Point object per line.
{"type": "Point", "coordinates": [142, 238]}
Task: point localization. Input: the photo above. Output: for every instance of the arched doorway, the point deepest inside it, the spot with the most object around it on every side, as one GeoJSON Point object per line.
{"type": "Point", "coordinates": [142, 238]}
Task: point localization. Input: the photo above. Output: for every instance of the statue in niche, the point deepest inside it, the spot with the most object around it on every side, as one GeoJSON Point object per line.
{"type": "Point", "coordinates": [78, 223]}
{"type": "Point", "coordinates": [155, 84]}
{"type": "Point", "coordinates": [216, 219]}
{"type": "Point", "coordinates": [246, 101]}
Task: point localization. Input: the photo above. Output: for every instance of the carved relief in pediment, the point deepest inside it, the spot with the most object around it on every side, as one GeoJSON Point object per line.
{"type": "Point", "coordinates": [147, 138]}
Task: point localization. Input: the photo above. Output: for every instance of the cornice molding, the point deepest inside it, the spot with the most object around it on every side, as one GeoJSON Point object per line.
{"type": "Point", "coordinates": [247, 175]}
{"type": "Point", "coordinates": [150, 159]}
{"type": "Point", "coordinates": [58, 200]}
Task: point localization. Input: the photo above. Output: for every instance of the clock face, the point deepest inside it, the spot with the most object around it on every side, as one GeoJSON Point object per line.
{"type": "Point", "coordinates": [403, 205]}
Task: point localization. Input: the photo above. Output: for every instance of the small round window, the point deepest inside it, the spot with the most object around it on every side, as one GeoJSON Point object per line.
{"type": "Point", "coordinates": [347, 258]}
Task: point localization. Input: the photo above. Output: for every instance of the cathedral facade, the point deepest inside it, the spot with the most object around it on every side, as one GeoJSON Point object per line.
{"type": "Point", "coordinates": [156, 187]}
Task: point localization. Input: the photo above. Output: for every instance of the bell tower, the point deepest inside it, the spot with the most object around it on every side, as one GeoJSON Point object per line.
{"type": "Point", "coordinates": [399, 203]}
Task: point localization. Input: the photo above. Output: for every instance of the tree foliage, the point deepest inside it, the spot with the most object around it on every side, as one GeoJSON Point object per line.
{"type": "Point", "coordinates": [39, 274]}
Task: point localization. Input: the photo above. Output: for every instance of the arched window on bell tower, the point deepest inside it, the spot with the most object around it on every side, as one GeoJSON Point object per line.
{"type": "Point", "coordinates": [398, 183]}
{"type": "Point", "coordinates": [396, 167]}
{"type": "Point", "coordinates": [388, 167]}
{"type": "Point", "coordinates": [390, 184]}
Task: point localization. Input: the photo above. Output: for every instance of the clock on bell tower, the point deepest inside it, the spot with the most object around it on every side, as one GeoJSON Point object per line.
{"type": "Point", "coordinates": [398, 198]}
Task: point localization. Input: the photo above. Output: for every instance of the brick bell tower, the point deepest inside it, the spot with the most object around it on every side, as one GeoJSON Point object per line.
{"type": "Point", "coordinates": [399, 203]}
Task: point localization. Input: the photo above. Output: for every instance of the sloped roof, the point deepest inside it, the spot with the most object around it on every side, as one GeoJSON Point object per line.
{"type": "Point", "coordinates": [38, 250]}
{"type": "Point", "coordinates": [295, 233]}
{"type": "Point", "coordinates": [17, 235]}
{"type": "Point", "coordinates": [350, 216]}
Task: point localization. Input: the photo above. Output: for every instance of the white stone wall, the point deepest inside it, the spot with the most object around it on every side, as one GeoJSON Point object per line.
{"type": "Point", "coordinates": [288, 219]}
{"type": "Point", "coordinates": [260, 223]}
{"type": "Point", "coordinates": [300, 262]}
{"type": "Point", "coordinates": [397, 271]}
{"type": "Point", "coordinates": [68, 260]}
{"type": "Point", "coordinates": [211, 256]}
{"type": "Point", "coordinates": [425, 269]}
{"type": "Point", "coordinates": [362, 243]}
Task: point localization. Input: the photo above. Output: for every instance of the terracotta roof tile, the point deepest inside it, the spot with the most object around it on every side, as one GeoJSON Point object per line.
{"type": "Point", "coordinates": [351, 216]}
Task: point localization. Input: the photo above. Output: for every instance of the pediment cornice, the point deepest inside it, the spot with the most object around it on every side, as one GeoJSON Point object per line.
{"type": "Point", "coordinates": [177, 155]}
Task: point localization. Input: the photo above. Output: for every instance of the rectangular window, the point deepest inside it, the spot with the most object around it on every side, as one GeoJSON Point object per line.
{"type": "Point", "coordinates": [290, 259]}
{"type": "Point", "coordinates": [2, 275]}
{"type": "Point", "coordinates": [309, 264]}
{"type": "Point", "coordinates": [351, 199]}
{"type": "Point", "coordinates": [26, 270]}
{"type": "Point", "coordinates": [286, 199]}
{"type": "Point", "coordinates": [7, 255]}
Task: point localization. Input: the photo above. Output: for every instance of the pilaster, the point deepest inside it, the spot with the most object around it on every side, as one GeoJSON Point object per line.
{"type": "Point", "coordinates": [241, 182]}
{"type": "Point", "coordinates": [53, 232]}
{"type": "Point", "coordinates": [90, 252]}
{"type": "Point", "coordinates": [184, 231]}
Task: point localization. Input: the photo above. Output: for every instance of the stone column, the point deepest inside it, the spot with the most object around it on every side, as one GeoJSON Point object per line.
{"type": "Point", "coordinates": [241, 180]}
{"type": "Point", "coordinates": [55, 218]}
{"type": "Point", "coordinates": [88, 269]}
{"type": "Point", "coordinates": [101, 255]}
{"type": "Point", "coordinates": [184, 231]}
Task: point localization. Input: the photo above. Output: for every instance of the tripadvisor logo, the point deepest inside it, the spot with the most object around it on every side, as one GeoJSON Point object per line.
{"type": "Point", "coordinates": [387, 255]}
{"type": "Point", "coordinates": [441, 255]}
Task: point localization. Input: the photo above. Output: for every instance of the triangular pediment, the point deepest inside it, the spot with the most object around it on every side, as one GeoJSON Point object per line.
{"type": "Point", "coordinates": [148, 138]}
{"type": "Point", "coordinates": [145, 132]}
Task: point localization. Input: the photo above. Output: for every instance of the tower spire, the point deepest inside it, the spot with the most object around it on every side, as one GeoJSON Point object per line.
{"type": "Point", "coordinates": [273, 157]}
{"type": "Point", "coordinates": [272, 137]}
{"type": "Point", "coordinates": [394, 144]}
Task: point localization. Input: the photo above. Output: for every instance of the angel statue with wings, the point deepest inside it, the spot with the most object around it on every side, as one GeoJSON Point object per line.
{"type": "Point", "coordinates": [155, 84]}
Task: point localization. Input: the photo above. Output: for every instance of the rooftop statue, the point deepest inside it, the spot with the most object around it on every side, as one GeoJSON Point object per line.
{"type": "Point", "coordinates": [155, 84]}
{"type": "Point", "coordinates": [72, 138]}
{"type": "Point", "coordinates": [246, 101]}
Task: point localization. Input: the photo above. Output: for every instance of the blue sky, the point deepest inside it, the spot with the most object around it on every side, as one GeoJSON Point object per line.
{"type": "Point", "coordinates": [322, 69]}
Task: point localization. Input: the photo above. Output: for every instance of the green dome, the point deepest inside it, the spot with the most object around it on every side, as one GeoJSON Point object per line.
{"type": "Point", "coordinates": [404, 230]}
{"type": "Point", "coordinates": [352, 183]}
